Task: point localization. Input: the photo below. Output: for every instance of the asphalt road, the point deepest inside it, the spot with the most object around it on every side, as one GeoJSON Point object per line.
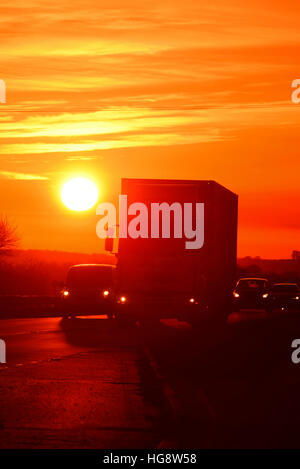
{"type": "Point", "coordinates": [76, 384]}
{"type": "Point", "coordinates": [37, 340]}
{"type": "Point", "coordinates": [94, 383]}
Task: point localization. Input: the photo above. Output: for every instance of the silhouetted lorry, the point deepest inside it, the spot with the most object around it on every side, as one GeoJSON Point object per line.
{"type": "Point", "coordinates": [173, 276]}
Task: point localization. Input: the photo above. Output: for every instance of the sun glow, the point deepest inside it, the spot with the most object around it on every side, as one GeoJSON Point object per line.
{"type": "Point", "coordinates": [79, 194]}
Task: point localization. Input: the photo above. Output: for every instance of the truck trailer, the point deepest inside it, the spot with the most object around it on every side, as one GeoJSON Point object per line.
{"type": "Point", "coordinates": [159, 276]}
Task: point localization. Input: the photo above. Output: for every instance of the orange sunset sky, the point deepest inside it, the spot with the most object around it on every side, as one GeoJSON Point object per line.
{"type": "Point", "coordinates": [162, 89]}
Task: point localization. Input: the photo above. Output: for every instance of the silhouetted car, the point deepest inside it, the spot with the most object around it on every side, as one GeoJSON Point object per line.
{"type": "Point", "coordinates": [252, 293]}
{"type": "Point", "coordinates": [89, 289]}
{"type": "Point", "coordinates": [285, 295]}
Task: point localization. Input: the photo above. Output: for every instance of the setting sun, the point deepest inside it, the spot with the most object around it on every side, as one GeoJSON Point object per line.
{"type": "Point", "coordinates": [79, 194]}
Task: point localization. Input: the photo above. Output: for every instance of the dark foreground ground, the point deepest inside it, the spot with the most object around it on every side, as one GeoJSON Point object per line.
{"type": "Point", "coordinates": [93, 383]}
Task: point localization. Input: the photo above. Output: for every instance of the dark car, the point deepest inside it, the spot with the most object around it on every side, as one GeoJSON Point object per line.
{"type": "Point", "coordinates": [89, 289]}
{"type": "Point", "coordinates": [285, 295]}
{"type": "Point", "coordinates": [252, 293]}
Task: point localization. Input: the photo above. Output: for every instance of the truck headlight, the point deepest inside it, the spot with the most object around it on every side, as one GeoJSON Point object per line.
{"type": "Point", "coordinates": [193, 301]}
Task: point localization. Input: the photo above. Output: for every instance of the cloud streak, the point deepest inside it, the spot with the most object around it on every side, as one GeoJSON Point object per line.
{"type": "Point", "coordinates": [21, 176]}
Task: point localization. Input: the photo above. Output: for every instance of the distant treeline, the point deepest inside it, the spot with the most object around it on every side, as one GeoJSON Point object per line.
{"type": "Point", "coordinates": [276, 270]}
{"type": "Point", "coordinates": [36, 272]}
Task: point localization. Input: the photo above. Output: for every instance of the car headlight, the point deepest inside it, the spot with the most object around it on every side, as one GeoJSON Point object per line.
{"type": "Point", "coordinates": [122, 299]}
{"type": "Point", "coordinates": [265, 295]}
{"type": "Point", "coordinates": [297, 298]}
{"type": "Point", "coordinates": [66, 293]}
{"type": "Point", "coordinates": [105, 293]}
{"type": "Point", "coordinates": [236, 295]}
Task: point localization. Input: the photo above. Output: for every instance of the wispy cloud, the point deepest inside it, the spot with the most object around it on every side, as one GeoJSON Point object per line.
{"type": "Point", "coordinates": [22, 176]}
{"type": "Point", "coordinates": [137, 127]}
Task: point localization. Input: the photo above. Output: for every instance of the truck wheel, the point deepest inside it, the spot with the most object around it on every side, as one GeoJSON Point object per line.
{"type": "Point", "coordinates": [196, 322]}
{"type": "Point", "coordinates": [125, 322]}
{"type": "Point", "coordinates": [69, 316]}
{"type": "Point", "coordinates": [149, 322]}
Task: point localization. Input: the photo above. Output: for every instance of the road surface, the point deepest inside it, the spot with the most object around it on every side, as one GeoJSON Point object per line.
{"type": "Point", "coordinates": [76, 384]}
{"type": "Point", "coordinates": [92, 383]}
